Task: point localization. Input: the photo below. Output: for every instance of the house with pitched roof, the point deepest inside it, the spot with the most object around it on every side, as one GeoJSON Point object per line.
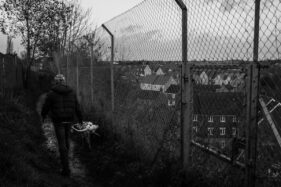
{"type": "Point", "coordinates": [204, 78]}
{"type": "Point", "coordinates": [147, 71]}
{"type": "Point", "coordinates": [147, 82]}
{"type": "Point", "coordinates": [162, 82]}
{"type": "Point", "coordinates": [159, 71]}
{"type": "Point", "coordinates": [223, 78]}
{"type": "Point", "coordinates": [172, 93]}
{"type": "Point", "coordinates": [157, 82]}
{"type": "Point", "coordinates": [216, 116]}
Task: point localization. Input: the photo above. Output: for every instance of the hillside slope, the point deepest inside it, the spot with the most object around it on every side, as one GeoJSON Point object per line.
{"type": "Point", "coordinates": [24, 159]}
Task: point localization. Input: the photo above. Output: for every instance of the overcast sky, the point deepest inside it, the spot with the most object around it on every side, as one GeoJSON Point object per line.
{"type": "Point", "coordinates": [217, 29]}
{"type": "Point", "coordinates": [102, 10]}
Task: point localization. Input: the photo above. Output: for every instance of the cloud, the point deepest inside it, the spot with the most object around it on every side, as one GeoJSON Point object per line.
{"type": "Point", "coordinates": [131, 29]}
{"type": "Point", "coordinates": [227, 6]}
{"type": "Point", "coordinates": [217, 30]}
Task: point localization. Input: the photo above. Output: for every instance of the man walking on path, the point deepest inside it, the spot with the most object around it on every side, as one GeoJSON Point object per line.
{"type": "Point", "coordinates": [62, 105]}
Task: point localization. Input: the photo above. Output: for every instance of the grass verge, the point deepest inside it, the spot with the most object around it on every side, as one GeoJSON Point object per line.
{"type": "Point", "coordinates": [24, 158]}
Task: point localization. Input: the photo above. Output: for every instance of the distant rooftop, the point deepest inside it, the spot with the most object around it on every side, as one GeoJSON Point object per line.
{"type": "Point", "coordinates": [218, 103]}
{"type": "Point", "coordinates": [156, 79]}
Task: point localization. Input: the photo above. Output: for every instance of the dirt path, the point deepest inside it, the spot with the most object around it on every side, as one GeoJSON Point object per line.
{"type": "Point", "coordinates": [78, 170]}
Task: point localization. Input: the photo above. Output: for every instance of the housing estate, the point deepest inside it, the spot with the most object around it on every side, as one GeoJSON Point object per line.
{"type": "Point", "coordinates": [217, 106]}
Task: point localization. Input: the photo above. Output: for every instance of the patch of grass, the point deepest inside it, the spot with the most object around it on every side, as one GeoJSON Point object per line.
{"type": "Point", "coordinates": [115, 163]}
{"type": "Point", "coordinates": [24, 159]}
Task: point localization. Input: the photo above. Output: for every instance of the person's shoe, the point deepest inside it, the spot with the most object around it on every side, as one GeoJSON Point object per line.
{"type": "Point", "coordinates": [65, 173]}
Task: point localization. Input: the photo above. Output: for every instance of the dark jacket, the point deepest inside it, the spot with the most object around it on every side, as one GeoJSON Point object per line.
{"type": "Point", "coordinates": [62, 105]}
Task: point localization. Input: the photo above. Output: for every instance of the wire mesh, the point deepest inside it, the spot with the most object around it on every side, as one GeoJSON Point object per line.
{"type": "Point", "coordinates": [147, 86]}
{"type": "Point", "coordinates": [220, 30]}
{"type": "Point", "coordinates": [77, 70]}
{"type": "Point", "coordinates": [104, 46]}
{"type": "Point", "coordinates": [149, 31]}
{"type": "Point", "coordinates": [270, 30]}
{"type": "Point", "coordinates": [217, 30]}
{"type": "Point", "coordinates": [269, 142]}
{"type": "Point", "coordinates": [147, 100]}
{"type": "Point", "coordinates": [11, 73]}
{"type": "Point", "coordinates": [219, 118]}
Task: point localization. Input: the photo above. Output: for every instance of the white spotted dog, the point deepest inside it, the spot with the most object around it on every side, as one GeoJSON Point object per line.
{"type": "Point", "coordinates": [86, 129]}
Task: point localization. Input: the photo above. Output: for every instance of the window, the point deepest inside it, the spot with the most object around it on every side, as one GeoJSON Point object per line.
{"type": "Point", "coordinates": [195, 117]}
{"type": "Point", "coordinates": [222, 131]}
{"type": "Point", "coordinates": [210, 130]}
{"type": "Point", "coordinates": [234, 131]}
{"type": "Point", "coordinates": [169, 103]}
{"type": "Point", "coordinates": [222, 144]}
{"type": "Point", "coordinates": [210, 119]}
{"type": "Point", "coordinates": [222, 119]}
{"type": "Point", "coordinates": [234, 119]}
{"type": "Point", "coordinates": [195, 129]}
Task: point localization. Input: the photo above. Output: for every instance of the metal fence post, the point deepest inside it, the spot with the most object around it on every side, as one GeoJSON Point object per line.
{"type": "Point", "coordinates": [66, 68]}
{"type": "Point", "coordinates": [253, 84]}
{"type": "Point", "coordinates": [186, 96]}
{"type": "Point", "coordinates": [4, 74]}
{"type": "Point", "coordinates": [77, 77]}
{"type": "Point", "coordinates": [111, 66]}
{"type": "Point", "coordinates": [91, 77]}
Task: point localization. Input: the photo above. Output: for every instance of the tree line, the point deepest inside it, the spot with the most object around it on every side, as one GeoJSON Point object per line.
{"type": "Point", "coordinates": [49, 26]}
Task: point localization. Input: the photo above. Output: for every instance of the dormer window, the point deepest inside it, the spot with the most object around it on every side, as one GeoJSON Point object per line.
{"type": "Point", "coordinates": [195, 117]}
{"type": "Point", "coordinates": [222, 119]}
{"type": "Point", "coordinates": [210, 130]}
{"type": "Point", "coordinates": [210, 119]}
{"type": "Point", "coordinates": [222, 131]}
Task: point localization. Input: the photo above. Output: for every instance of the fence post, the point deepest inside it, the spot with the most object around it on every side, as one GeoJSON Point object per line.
{"type": "Point", "coordinates": [4, 74]}
{"type": "Point", "coordinates": [91, 77]}
{"type": "Point", "coordinates": [252, 90]}
{"type": "Point", "coordinates": [77, 77]}
{"type": "Point", "coordinates": [66, 68]}
{"type": "Point", "coordinates": [186, 94]}
{"type": "Point", "coordinates": [111, 66]}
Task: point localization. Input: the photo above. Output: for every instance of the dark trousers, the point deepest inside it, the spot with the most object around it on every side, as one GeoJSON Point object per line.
{"type": "Point", "coordinates": [62, 133]}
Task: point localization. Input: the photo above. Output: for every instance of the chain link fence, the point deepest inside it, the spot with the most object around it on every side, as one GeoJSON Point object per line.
{"type": "Point", "coordinates": [93, 95]}
{"type": "Point", "coordinates": [147, 107]}
{"type": "Point", "coordinates": [270, 30]}
{"type": "Point", "coordinates": [269, 141]}
{"type": "Point", "coordinates": [11, 69]}
{"type": "Point", "coordinates": [219, 121]}
{"type": "Point", "coordinates": [146, 47]}
{"type": "Point", "coordinates": [149, 31]}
